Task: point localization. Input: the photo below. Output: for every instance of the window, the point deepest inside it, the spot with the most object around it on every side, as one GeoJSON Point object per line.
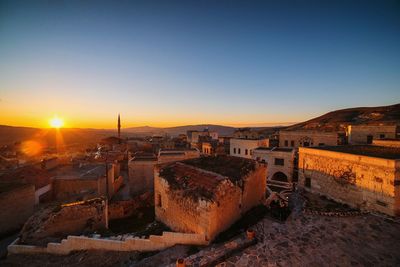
{"type": "Point", "coordinates": [369, 139]}
{"type": "Point", "coordinates": [246, 152]}
{"type": "Point", "coordinates": [381, 136]}
{"type": "Point", "coordinates": [251, 152]}
{"type": "Point", "coordinates": [306, 144]}
{"type": "Point", "coordinates": [321, 144]}
{"type": "Point", "coordinates": [239, 151]}
{"type": "Point", "coordinates": [234, 150]}
{"type": "Point", "coordinates": [279, 162]}
{"type": "Point", "coordinates": [159, 202]}
{"type": "Point", "coordinates": [292, 143]}
{"type": "Point", "coordinates": [286, 143]}
{"type": "Point", "coordinates": [307, 182]}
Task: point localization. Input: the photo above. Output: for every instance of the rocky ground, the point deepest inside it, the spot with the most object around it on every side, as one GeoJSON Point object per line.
{"type": "Point", "coordinates": [311, 240]}
{"type": "Point", "coordinates": [303, 240]}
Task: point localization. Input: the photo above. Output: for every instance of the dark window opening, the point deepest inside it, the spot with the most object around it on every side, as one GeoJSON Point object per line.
{"type": "Point", "coordinates": [369, 139]}
{"type": "Point", "coordinates": [321, 144]}
{"type": "Point", "coordinates": [159, 202]}
{"type": "Point", "coordinates": [286, 143]}
{"type": "Point", "coordinates": [246, 151]}
{"type": "Point", "coordinates": [279, 162]}
{"type": "Point", "coordinates": [234, 151]}
{"type": "Point", "coordinates": [381, 136]}
{"type": "Point", "coordinates": [292, 143]}
{"type": "Point", "coordinates": [306, 144]}
{"type": "Point", "coordinates": [239, 151]}
{"type": "Point", "coordinates": [307, 182]}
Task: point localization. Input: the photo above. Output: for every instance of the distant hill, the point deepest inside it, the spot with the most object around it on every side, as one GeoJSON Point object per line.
{"type": "Point", "coordinates": [222, 130]}
{"type": "Point", "coordinates": [332, 121]}
{"type": "Point", "coordinates": [47, 137]}
{"type": "Point", "coordinates": [339, 119]}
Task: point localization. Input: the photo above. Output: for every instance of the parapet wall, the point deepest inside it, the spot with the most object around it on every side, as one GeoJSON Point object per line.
{"type": "Point", "coordinates": [75, 243]}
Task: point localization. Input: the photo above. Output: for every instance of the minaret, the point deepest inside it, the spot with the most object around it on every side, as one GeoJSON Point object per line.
{"type": "Point", "coordinates": [119, 126]}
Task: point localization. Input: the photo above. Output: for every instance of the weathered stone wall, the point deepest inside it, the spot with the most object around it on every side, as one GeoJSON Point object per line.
{"type": "Point", "coordinates": [179, 213]}
{"type": "Point", "coordinates": [209, 217]}
{"type": "Point", "coordinates": [58, 222]}
{"type": "Point", "coordinates": [125, 208]}
{"type": "Point", "coordinates": [357, 134]}
{"type": "Point", "coordinates": [359, 181]}
{"type": "Point", "coordinates": [76, 243]}
{"type": "Point", "coordinates": [225, 210]}
{"type": "Point", "coordinates": [314, 138]}
{"type": "Point", "coordinates": [77, 189]}
{"type": "Point", "coordinates": [141, 176]}
{"type": "Point", "coordinates": [254, 188]}
{"type": "Point", "coordinates": [17, 206]}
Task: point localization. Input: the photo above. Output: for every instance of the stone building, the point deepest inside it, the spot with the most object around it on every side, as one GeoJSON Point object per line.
{"type": "Point", "coordinates": [365, 134]}
{"type": "Point", "coordinates": [141, 172]}
{"type": "Point", "coordinates": [386, 142]}
{"type": "Point", "coordinates": [74, 183]}
{"type": "Point", "coordinates": [363, 176]}
{"type": "Point", "coordinates": [213, 148]}
{"type": "Point", "coordinates": [306, 138]}
{"type": "Point", "coordinates": [281, 163]}
{"type": "Point", "coordinates": [244, 147]}
{"type": "Point", "coordinates": [17, 202]}
{"type": "Point", "coordinates": [194, 136]}
{"type": "Point", "coordinates": [171, 155]}
{"type": "Point", "coordinates": [207, 195]}
{"type": "Point", "coordinates": [248, 133]}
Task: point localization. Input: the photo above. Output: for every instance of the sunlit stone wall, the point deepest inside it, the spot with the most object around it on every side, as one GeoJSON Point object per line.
{"type": "Point", "coordinates": [364, 182]}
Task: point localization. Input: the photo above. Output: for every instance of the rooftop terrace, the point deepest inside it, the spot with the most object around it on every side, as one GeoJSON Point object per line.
{"type": "Point", "coordinates": [84, 171]}
{"type": "Point", "coordinates": [195, 182]}
{"type": "Point", "coordinates": [234, 168]}
{"type": "Point", "coordinates": [365, 150]}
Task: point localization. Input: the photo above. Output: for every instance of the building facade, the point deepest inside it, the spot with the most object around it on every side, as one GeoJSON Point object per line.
{"type": "Point", "coordinates": [307, 138]}
{"type": "Point", "coordinates": [281, 163]}
{"type": "Point", "coordinates": [141, 173]}
{"type": "Point", "coordinates": [191, 197]}
{"type": "Point", "coordinates": [244, 147]}
{"type": "Point", "coordinates": [365, 177]}
{"type": "Point", "coordinates": [365, 134]}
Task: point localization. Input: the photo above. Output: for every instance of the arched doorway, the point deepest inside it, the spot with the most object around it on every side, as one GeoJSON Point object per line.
{"type": "Point", "coordinates": [280, 176]}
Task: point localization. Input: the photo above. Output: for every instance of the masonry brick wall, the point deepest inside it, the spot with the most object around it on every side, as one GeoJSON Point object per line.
{"type": "Point", "coordinates": [208, 217]}
{"type": "Point", "coordinates": [376, 180]}
{"type": "Point", "coordinates": [16, 207]}
{"type": "Point", "coordinates": [141, 176]}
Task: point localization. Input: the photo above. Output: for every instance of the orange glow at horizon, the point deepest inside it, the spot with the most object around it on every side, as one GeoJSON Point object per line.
{"type": "Point", "coordinates": [56, 122]}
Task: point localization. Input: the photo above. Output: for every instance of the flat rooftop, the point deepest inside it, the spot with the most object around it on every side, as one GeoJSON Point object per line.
{"type": "Point", "coordinates": [194, 182]}
{"type": "Point", "coordinates": [234, 168]}
{"type": "Point", "coordinates": [280, 149]}
{"type": "Point", "coordinates": [87, 171]}
{"type": "Point", "coordinates": [365, 150]}
{"type": "Point", "coordinates": [144, 157]}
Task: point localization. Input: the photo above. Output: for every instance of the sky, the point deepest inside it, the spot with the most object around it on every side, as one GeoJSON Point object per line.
{"type": "Point", "coordinates": [172, 63]}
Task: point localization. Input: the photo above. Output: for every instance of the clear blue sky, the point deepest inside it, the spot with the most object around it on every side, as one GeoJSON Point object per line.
{"type": "Point", "coordinates": [169, 63]}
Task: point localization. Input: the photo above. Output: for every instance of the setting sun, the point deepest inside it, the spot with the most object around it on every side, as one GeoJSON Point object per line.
{"type": "Point", "coordinates": [56, 122]}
